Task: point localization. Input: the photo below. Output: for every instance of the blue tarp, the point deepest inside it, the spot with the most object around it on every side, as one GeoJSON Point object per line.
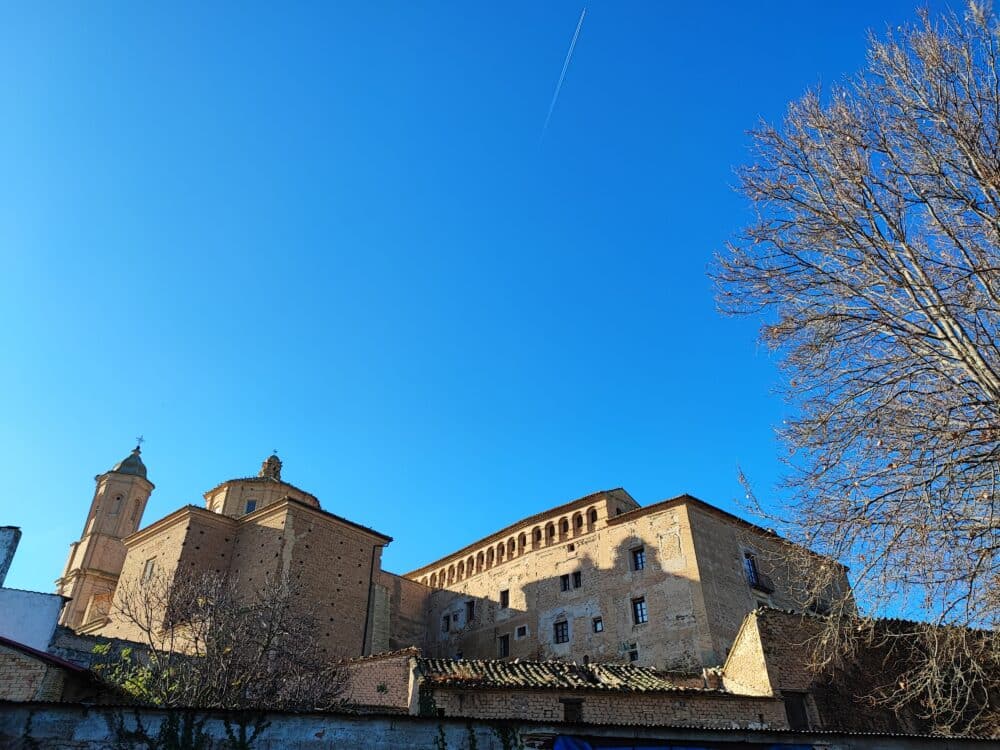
{"type": "Point", "coordinates": [574, 743]}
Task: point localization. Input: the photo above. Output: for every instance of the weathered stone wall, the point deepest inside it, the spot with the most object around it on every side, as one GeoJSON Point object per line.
{"type": "Point", "coordinates": [720, 543]}
{"type": "Point", "coordinates": [382, 680]}
{"type": "Point", "coordinates": [674, 636]}
{"type": "Point", "coordinates": [74, 727]}
{"type": "Point", "coordinates": [25, 679]}
{"type": "Point", "coordinates": [703, 709]}
{"type": "Point", "coordinates": [400, 613]}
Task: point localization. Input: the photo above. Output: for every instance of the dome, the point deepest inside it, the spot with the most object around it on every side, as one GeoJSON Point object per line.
{"type": "Point", "coordinates": [131, 464]}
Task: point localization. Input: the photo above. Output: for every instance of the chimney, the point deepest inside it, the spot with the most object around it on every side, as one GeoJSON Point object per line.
{"type": "Point", "coordinates": [9, 537]}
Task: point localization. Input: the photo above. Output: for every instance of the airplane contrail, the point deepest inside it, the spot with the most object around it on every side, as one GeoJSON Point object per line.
{"type": "Point", "coordinates": [565, 67]}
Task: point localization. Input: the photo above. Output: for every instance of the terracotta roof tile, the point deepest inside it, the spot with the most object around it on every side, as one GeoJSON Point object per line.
{"type": "Point", "coordinates": [626, 678]}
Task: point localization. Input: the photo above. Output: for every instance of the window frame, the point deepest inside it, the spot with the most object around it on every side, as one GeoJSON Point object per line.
{"type": "Point", "coordinates": [560, 631]}
{"type": "Point", "coordinates": [503, 645]}
{"type": "Point", "coordinates": [638, 558]}
{"type": "Point", "coordinates": [597, 624]}
{"type": "Point", "coordinates": [577, 579]}
{"type": "Point", "coordinates": [564, 582]}
{"type": "Point", "coordinates": [640, 610]}
{"type": "Point", "coordinates": [470, 610]}
{"type": "Point", "coordinates": [505, 599]}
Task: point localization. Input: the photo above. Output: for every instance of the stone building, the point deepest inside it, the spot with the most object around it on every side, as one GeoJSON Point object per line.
{"type": "Point", "coordinates": [600, 579]}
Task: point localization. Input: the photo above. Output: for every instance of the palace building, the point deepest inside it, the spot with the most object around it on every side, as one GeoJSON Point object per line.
{"type": "Point", "coordinates": [597, 580]}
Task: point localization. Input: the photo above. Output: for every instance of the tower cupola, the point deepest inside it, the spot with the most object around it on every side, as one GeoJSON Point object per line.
{"type": "Point", "coordinates": [271, 468]}
{"type": "Point", "coordinates": [131, 464]}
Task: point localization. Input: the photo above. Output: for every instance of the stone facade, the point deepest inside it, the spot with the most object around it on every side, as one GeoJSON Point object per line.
{"type": "Point", "coordinates": [602, 579]}
{"type": "Point", "coordinates": [599, 579]}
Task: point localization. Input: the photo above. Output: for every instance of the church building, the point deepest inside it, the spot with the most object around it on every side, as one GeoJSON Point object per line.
{"type": "Point", "coordinates": [600, 579]}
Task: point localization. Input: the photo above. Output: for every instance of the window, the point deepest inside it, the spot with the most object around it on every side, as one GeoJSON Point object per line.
{"type": "Point", "coordinates": [572, 710]}
{"type": "Point", "coordinates": [577, 579]}
{"type": "Point", "coordinates": [470, 611]}
{"type": "Point", "coordinates": [578, 521]}
{"type": "Point", "coordinates": [755, 578]}
{"type": "Point", "coordinates": [560, 632]}
{"type": "Point", "coordinates": [147, 570]}
{"type": "Point", "coordinates": [116, 507]}
{"type": "Point", "coordinates": [633, 654]}
{"type": "Point", "coordinates": [445, 623]}
{"type": "Point", "coordinates": [564, 582]}
{"type": "Point", "coordinates": [564, 526]}
{"type": "Point", "coordinates": [251, 506]}
{"type": "Point", "coordinates": [639, 558]}
{"type": "Point", "coordinates": [503, 645]}
{"type": "Point", "coordinates": [504, 599]}
{"type": "Point", "coordinates": [795, 710]}
{"type": "Point", "coordinates": [538, 535]}
{"type": "Point", "coordinates": [639, 613]}
{"type": "Point", "coordinates": [521, 632]}
{"type": "Point", "coordinates": [593, 515]}
{"type": "Point", "coordinates": [598, 625]}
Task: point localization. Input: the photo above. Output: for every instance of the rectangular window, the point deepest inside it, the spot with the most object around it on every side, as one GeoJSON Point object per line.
{"type": "Point", "coordinates": [560, 632]}
{"type": "Point", "coordinates": [470, 611]}
{"type": "Point", "coordinates": [598, 625]}
{"type": "Point", "coordinates": [572, 710]}
{"type": "Point", "coordinates": [577, 579]}
{"type": "Point", "coordinates": [633, 654]}
{"type": "Point", "coordinates": [638, 558]}
{"type": "Point", "coordinates": [445, 623]}
{"type": "Point", "coordinates": [795, 711]}
{"type": "Point", "coordinates": [147, 570]}
{"type": "Point", "coordinates": [564, 582]}
{"type": "Point", "coordinates": [639, 613]}
{"type": "Point", "coordinates": [251, 506]}
{"type": "Point", "coordinates": [503, 646]}
{"type": "Point", "coordinates": [521, 632]}
{"type": "Point", "coordinates": [504, 599]}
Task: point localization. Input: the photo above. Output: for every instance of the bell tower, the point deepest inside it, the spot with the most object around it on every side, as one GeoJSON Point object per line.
{"type": "Point", "coordinates": [95, 561]}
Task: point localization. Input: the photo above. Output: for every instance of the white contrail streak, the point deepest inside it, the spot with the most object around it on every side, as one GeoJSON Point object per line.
{"type": "Point", "coordinates": [565, 67]}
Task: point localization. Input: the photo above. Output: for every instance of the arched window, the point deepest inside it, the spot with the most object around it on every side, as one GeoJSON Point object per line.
{"type": "Point", "coordinates": [480, 559]}
{"type": "Point", "coordinates": [592, 516]}
{"type": "Point", "coordinates": [424, 580]}
{"type": "Point", "coordinates": [434, 580]}
{"type": "Point", "coordinates": [522, 543]}
{"type": "Point", "coordinates": [489, 558]}
{"type": "Point", "coordinates": [511, 547]}
{"type": "Point", "coordinates": [563, 528]}
{"type": "Point", "coordinates": [577, 523]}
{"type": "Point", "coordinates": [550, 532]}
{"type": "Point", "coordinates": [451, 574]}
{"type": "Point", "coordinates": [441, 577]}
{"type": "Point", "coordinates": [500, 551]}
{"type": "Point", "coordinates": [470, 566]}
{"type": "Point", "coordinates": [461, 570]}
{"type": "Point", "coordinates": [536, 537]}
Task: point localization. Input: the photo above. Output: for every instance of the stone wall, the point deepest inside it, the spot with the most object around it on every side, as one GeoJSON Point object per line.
{"type": "Point", "coordinates": [74, 727]}
{"type": "Point", "coordinates": [606, 707]}
{"type": "Point", "coordinates": [400, 613]}
{"type": "Point", "coordinates": [385, 680]}
{"type": "Point", "coordinates": [23, 678]}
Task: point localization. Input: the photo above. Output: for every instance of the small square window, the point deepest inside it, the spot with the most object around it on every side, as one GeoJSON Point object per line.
{"type": "Point", "coordinates": [504, 599]}
{"type": "Point", "coordinates": [639, 558]}
{"type": "Point", "coordinates": [572, 710]}
{"type": "Point", "coordinates": [598, 625]}
{"type": "Point", "coordinates": [251, 506]}
{"type": "Point", "coordinates": [577, 579]}
{"type": "Point", "coordinates": [639, 612]}
{"type": "Point", "coordinates": [560, 632]}
{"type": "Point", "coordinates": [503, 645]}
{"type": "Point", "coordinates": [521, 632]}
{"type": "Point", "coordinates": [470, 611]}
{"type": "Point", "coordinates": [564, 582]}
{"type": "Point", "coordinates": [445, 623]}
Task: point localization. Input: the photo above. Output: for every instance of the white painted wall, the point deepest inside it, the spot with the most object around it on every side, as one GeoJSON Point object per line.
{"type": "Point", "coordinates": [29, 617]}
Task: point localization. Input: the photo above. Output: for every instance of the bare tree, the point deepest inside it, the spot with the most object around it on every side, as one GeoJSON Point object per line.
{"type": "Point", "coordinates": [208, 643]}
{"type": "Point", "coordinates": [875, 264]}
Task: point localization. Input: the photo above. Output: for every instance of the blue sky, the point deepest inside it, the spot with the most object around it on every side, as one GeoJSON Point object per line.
{"type": "Point", "coordinates": [335, 230]}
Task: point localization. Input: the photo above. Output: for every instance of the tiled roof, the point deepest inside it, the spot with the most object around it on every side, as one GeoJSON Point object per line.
{"type": "Point", "coordinates": [508, 675]}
